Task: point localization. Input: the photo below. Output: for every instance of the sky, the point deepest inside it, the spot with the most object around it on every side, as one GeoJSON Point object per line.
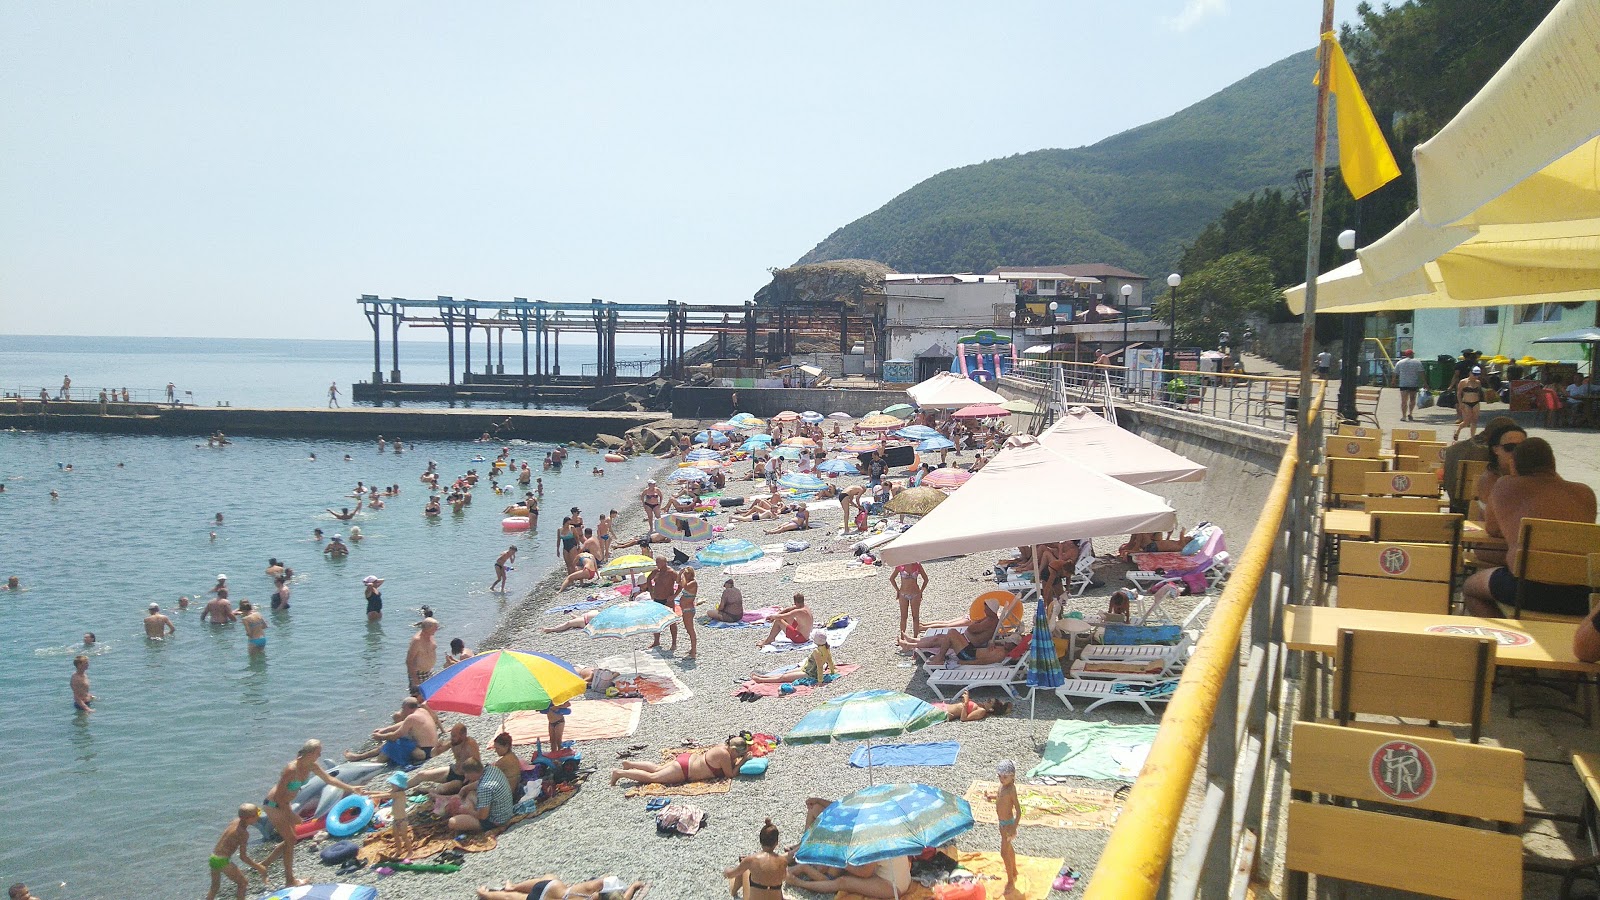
{"type": "Point", "coordinates": [239, 169]}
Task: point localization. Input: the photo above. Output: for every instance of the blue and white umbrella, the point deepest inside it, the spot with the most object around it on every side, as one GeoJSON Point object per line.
{"type": "Point", "coordinates": [786, 452]}
{"type": "Point", "coordinates": [838, 467]}
{"type": "Point", "coordinates": [728, 552]}
{"type": "Point", "coordinates": [1044, 667]}
{"type": "Point", "coordinates": [935, 443]}
{"type": "Point", "coordinates": [917, 433]}
{"type": "Point", "coordinates": [690, 473]}
{"type": "Point", "coordinates": [811, 417]}
{"type": "Point", "coordinates": [801, 481]}
{"type": "Point", "coordinates": [751, 445]}
{"type": "Point", "coordinates": [325, 892]}
{"type": "Point", "coordinates": [702, 453]}
{"type": "Point", "coordinates": [884, 821]}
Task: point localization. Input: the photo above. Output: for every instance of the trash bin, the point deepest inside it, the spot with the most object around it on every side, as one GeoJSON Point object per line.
{"type": "Point", "coordinates": [1441, 371]}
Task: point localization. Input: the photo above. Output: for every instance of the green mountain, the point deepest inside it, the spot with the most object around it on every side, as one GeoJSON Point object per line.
{"type": "Point", "coordinates": [1131, 200]}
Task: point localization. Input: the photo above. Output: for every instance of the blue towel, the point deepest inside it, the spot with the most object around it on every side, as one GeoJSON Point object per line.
{"type": "Point", "coordinates": [935, 753]}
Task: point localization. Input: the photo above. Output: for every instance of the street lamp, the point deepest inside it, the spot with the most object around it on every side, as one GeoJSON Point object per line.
{"type": "Point", "coordinates": [1173, 281]}
{"type": "Point", "coordinates": [1127, 292]}
{"type": "Point", "coordinates": [1354, 327]}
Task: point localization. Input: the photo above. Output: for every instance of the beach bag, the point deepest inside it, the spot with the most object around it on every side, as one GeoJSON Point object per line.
{"type": "Point", "coordinates": [1447, 398]}
{"type": "Point", "coordinates": [1424, 399]}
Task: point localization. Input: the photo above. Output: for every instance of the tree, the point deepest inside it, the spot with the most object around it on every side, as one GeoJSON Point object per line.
{"type": "Point", "coordinates": [1223, 296]}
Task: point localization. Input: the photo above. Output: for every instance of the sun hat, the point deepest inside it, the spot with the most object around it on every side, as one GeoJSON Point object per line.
{"type": "Point", "coordinates": [369, 579]}
{"type": "Point", "coordinates": [221, 577]}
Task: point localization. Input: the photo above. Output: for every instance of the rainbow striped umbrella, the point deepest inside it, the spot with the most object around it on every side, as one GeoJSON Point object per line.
{"type": "Point", "coordinates": [503, 681]}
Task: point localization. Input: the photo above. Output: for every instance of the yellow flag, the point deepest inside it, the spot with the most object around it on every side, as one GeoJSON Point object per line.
{"type": "Point", "coordinates": [1364, 157]}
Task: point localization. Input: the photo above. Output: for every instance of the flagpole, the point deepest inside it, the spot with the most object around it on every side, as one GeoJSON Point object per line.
{"type": "Point", "coordinates": [1308, 325]}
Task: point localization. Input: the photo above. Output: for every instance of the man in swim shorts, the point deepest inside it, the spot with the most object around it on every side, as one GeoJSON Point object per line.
{"type": "Point", "coordinates": [235, 839]}
{"type": "Point", "coordinates": [449, 780]}
{"type": "Point", "coordinates": [409, 740]}
{"type": "Point", "coordinates": [255, 627]}
{"type": "Point", "coordinates": [81, 697]}
{"type": "Point", "coordinates": [423, 653]}
{"type": "Point", "coordinates": [663, 587]}
{"type": "Point", "coordinates": [219, 611]}
{"type": "Point", "coordinates": [156, 625]}
{"type": "Point", "coordinates": [794, 621]}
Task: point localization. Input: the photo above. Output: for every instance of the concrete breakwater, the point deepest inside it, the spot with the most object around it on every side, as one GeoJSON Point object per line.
{"type": "Point", "coordinates": [551, 425]}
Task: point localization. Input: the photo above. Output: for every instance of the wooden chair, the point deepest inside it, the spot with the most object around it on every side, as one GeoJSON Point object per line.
{"type": "Point", "coordinates": [1430, 452]}
{"type": "Point", "coordinates": [1351, 446]}
{"type": "Point", "coordinates": [1422, 528]}
{"type": "Point", "coordinates": [1463, 486]}
{"type": "Point", "coordinates": [1412, 434]}
{"type": "Point", "coordinates": [1401, 504]}
{"type": "Point", "coordinates": [1401, 484]}
{"type": "Point", "coordinates": [1437, 677]}
{"type": "Point", "coordinates": [1553, 552]}
{"type": "Point", "coordinates": [1348, 430]}
{"type": "Point", "coordinates": [1371, 845]}
{"type": "Point", "coordinates": [1367, 399]}
{"type": "Point", "coordinates": [1362, 592]}
{"type": "Point", "coordinates": [1408, 577]}
{"type": "Point", "coordinates": [1347, 476]}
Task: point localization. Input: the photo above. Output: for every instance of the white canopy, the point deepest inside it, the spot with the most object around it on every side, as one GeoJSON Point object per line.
{"type": "Point", "coordinates": [1029, 495]}
{"type": "Point", "coordinates": [1084, 437]}
{"type": "Point", "coordinates": [948, 390]}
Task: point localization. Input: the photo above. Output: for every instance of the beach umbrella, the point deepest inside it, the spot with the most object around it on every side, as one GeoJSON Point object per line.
{"type": "Point", "coordinates": [861, 446]}
{"type": "Point", "coordinates": [1044, 667]}
{"type": "Point", "coordinates": [917, 433]}
{"type": "Point", "coordinates": [503, 681]}
{"type": "Point", "coordinates": [900, 410]}
{"type": "Point", "coordinates": [862, 716]}
{"type": "Point", "coordinates": [729, 425]}
{"type": "Point", "coordinates": [1021, 405]}
{"type": "Point", "coordinates": [629, 619]}
{"type": "Point", "coordinates": [706, 465]}
{"type": "Point", "coordinates": [787, 415]}
{"type": "Point", "coordinates": [879, 422]}
{"type": "Point", "coordinates": [935, 443]}
{"type": "Point", "coordinates": [838, 467]}
{"type": "Point", "coordinates": [787, 452]}
{"type": "Point", "coordinates": [629, 564]}
{"type": "Point", "coordinates": [840, 415]}
{"type": "Point", "coordinates": [949, 479]}
{"type": "Point", "coordinates": [744, 419]}
{"type": "Point", "coordinates": [682, 527]}
{"type": "Point", "coordinates": [751, 444]}
{"type": "Point", "coordinates": [717, 438]}
{"type": "Point", "coordinates": [881, 822]}
{"type": "Point", "coordinates": [701, 453]}
{"type": "Point", "coordinates": [327, 891]}
{"type": "Point", "coordinates": [689, 473]}
{"type": "Point", "coordinates": [981, 411]}
{"type": "Point", "coordinates": [917, 501]}
{"type": "Point", "coordinates": [811, 417]}
{"type": "Point", "coordinates": [728, 552]}
{"type": "Point", "coordinates": [759, 438]}
{"type": "Point", "coordinates": [872, 412]}
{"type": "Point", "coordinates": [798, 442]}
{"type": "Point", "coordinates": [801, 481]}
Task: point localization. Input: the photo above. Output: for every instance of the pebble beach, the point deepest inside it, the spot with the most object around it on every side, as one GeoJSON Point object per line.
{"type": "Point", "coordinates": [600, 831]}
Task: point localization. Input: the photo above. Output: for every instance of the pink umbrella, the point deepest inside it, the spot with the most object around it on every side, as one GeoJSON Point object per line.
{"type": "Point", "coordinates": [787, 415]}
{"type": "Point", "coordinates": [948, 479]}
{"type": "Point", "coordinates": [981, 411]}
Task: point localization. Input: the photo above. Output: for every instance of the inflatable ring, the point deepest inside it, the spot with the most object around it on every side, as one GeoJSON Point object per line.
{"type": "Point", "coordinates": [341, 827]}
{"type": "Point", "coordinates": [519, 510]}
{"type": "Point", "coordinates": [514, 523]}
{"type": "Point", "coordinates": [615, 457]}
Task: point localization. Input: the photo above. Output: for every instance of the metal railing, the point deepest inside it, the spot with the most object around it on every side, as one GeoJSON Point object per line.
{"type": "Point", "coordinates": [1262, 401]}
{"type": "Point", "coordinates": [1224, 705]}
{"type": "Point", "coordinates": [90, 396]}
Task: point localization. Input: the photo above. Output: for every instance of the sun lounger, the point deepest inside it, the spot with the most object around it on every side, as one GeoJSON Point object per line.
{"type": "Point", "coordinates": [1004, 675]}
{"type": "Point", "coordinates": [1099, 693]}
{"type": "Point", "coordinates": [1141, 662]}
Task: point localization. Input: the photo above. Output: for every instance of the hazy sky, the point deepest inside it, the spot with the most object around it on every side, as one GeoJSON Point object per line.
{"type": "Point", "coordinates": [249, 169]}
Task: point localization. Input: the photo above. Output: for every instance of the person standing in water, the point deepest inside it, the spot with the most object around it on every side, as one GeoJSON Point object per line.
{"type": "Point", "coordinates": [423, 653]}
{"type": "Point", "coordinates": [82, 698]}
{"type": "Point", "coordinates": [501, 562]}
{"type": "Point", "coordinates": [255, 627]}
{"type": "Point", "coordinates": [235, 839]}
{"type": "Point", "coordinates": [374, 597]}
{"type": "Point", "coordinates": [156, 625]}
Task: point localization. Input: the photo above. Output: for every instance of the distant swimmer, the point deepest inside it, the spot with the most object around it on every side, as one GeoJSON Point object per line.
{"type": "Point", "coordinates": [274, 568]}
{"type": "Point", "coordinates": [12, 584]}
{"type": "Point", "coordinates": [399, 448]}
{"type": "Point", "coordinates": [381, 444]}
{"type": "Point", "coordinates": [88, 640]}
{"type": "Point", "coordinates": [255, 627]}
{"type": "Point", "coordinates": [355, 533]}
{"type": "Point", "coordinates": [82, 698]}
{"type": "Point", "coordinates": [235, 839]}
{"type": "Point", "coordinates": [501, 565]}
{"type": "Point", "coordinates": [346, 514]}
{"type": "Point", "coordinates": [423, 653]}
{"type": "Point", "coordinates": [312, 457]}
{"type": "Point", "coordinates": [432, 509]}
{"type": "Point", "coordinates": [220, 587]}
{"type": "Point", "coordinates": [376, 502]}
{"type": "Point", "coordinates": [156, 625]}
{"type": "Point", "coordinates": [316, 535]}
{"type": "Point", "coordinates": [55, 495]}
{"type": "Point", "coordinates": [183, 602]}
{"type": "Point", "coordinates": [336, 548]}
{"type": "Point", "coordinates": [374, 597]}
{"type": "Point", "coordinates": [218, 519]}
{"type": "Point", "coordinates": [213, 537]}
{"type": "Point", "coordinates": [219, 611]}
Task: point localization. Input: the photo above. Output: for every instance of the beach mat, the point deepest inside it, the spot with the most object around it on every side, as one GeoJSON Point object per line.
{"type": "Point", "coordinates": [1034, 876]}
{"type": "Point", "coordinates": [590, 720]}
{"type": "Point", "coordinates": [931, 753]}
{"type": "Point", "coordinates": [1103, 751]}
{"type": "Point", "coordinates": [836, 639]}
{"type": "Point", "coordinates": [766, 565]}
{"type": "Point", "coordinates": [689, 789]}
{"type": "Point", "coordinates": [832, 570]}
{"type": "Point", "coordinates": [1048, 805]}
{"type": "Point", "coordinates": [656, 682]}
{"type": "Point", "coordinates": [776, 690]}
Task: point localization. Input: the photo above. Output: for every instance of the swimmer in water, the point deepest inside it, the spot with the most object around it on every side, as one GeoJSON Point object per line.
{"type": "Point", "coordinates": [54, 495]}
{"type": "Point", "coordinates": [82, 698]}
{"type": "Point", "coordinates": [355, 533]}
{"type": "Point", "coordinates": [219, 518]}
{"type": "Point", "coordinates": [316, 535]}
{"type": "Point", "coordinates": [432, 509]}
{"type": "Point", "coordinates": [348, 458]}
{"type": "Point", "coordinates": [183, 602]}
{"type": "Point", "coordinates": [213, 536]}
{"type": "Point", "coordinates": [336, 548]}
{"type": "Point", "coordinates": [12, 584]}
{"type": "Point", "coordinates": [312, 457]}
{"type": "Point", "coordinates": [346, 514]}
{"type": "Point", "coordinates": [88, 639]}
{"type": "Point", "coordinates": [255, 627]}
{"type": "Point", "coordinates": [280, 593]}
{"type": "Point", "coordinates": [156, 625]}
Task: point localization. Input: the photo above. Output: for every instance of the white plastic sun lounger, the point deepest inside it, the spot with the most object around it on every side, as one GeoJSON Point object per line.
{"type": "Point", "coordinates": [1005, 676]}
{"type": "Point", "coordinates": [1099, 693]}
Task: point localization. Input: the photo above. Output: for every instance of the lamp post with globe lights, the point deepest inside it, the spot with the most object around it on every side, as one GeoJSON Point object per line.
{"type": "Point", "coordinates": [1127, 294]}
{"type": "Point", "coordinates": [1350, 349]}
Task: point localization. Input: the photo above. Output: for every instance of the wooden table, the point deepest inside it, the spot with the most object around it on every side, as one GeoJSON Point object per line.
{"type": "Point", "coordinates": [1524, 644]}
{"type": "Point", "coordinates": [1357, 524]}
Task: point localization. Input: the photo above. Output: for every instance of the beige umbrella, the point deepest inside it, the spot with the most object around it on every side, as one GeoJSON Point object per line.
{"type": "Point", "coordinates": [1021, 405]}
{"type": "Point", "coordinates": [917, 501]}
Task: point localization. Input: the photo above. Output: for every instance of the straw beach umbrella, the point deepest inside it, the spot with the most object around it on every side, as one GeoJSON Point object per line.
{"type": "Point", "coordinates": [879, 422]}
{"type": "Point", "coordinates": [917, 501]}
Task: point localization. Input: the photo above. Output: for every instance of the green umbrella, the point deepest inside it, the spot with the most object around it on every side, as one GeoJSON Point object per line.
{"type": "Point", "coordinates": [864, 715]}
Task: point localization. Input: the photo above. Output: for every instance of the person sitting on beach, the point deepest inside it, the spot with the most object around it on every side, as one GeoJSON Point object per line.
{"type": "Point", "coordinates": [817, 669]}
{"type": "Point", "coordinates": [963, 639]}
{"type": "Point", "coordinates": [687, 499]}
{"type": "Point", "coordinates": [794, 621]}
{"type": "Point", "coordinates": [572, 624]}
{"type": "Point", "coordinates": [588, 569]}
{"type": "Point", "coordinates": [458, 651]}
{"type": "Point", "coordinates": [550, 887]}
{"type": "Point", "coordinates": [219, 611]}
{"type": "Point", "coordinates": [888, 878]}
{"type": "Point", "coordinates": [506, 758]}
{"type": "Point", "coordinates": [731, 607]}
{"type": "Point", "coordinates": [769, 507]}
{"type": "Point", "coordinates": [801, 521]}
{"type": "Point", "coordinates": [235, 839]}
{"type": "Point", "coordinates": [965, 709]}
{"type": "Point", "coordinates": [412, 739]}
{"type": "Point", "coordinates": [759, 876]}
{"type": "Point", "coordinates": [491, 798]}
{"type": "Point", "coordinates": [156, 625]}
{"type": "Point", "coordinates": [449, 780]}
{"type": "Point", "coordinates": [706, 764]}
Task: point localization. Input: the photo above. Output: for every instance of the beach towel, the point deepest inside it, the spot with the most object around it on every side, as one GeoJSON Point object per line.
{"type": "Point", "coordinates": [590, 720]}
{"type": "Point", "coordinates": [832, 570]}
{"type": "Point", "coordinates": [766, 565]}
{"type": "Point", "coordinates": [776, 690]}
{"type": "Point", "coordinates": [753, 618]}
{"type": "Point", "coordinates": [931, 753]}
{"type": "Point", "coordinates": [836, 638]}
{"type": "Point", "coordinates": [568, 609]}
{"type": "Point", "coordinates": [656, 682]}
{"type": "Point", "coordinates": [1051, 806]}
{"type": "Point", "coordinates": [1034, 875]}
{"type": "Point", "coordinates": [687, 789]}
{"type": "Point", "coordinates": [1100, 750]}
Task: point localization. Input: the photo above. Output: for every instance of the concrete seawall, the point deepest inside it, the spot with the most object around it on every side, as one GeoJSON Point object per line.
{"type": "Point", "coordinates": [534, 425]}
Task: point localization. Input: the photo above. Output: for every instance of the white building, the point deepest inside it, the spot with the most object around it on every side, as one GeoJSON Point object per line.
{"type": "Point", "coordinates": [1504, 330]}
{"type": "Point", "coordinates": [924, 315]}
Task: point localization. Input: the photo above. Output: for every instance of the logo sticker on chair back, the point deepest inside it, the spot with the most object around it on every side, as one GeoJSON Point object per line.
{"type": "Point", "coordinates": [1505, 637]}
{"type": "Point", "coordinates": [1402, 771]}
{"type": "Point", "coordinates": [1412, 436]}
{"type": "Point", "coordinates": [1394, 560]}
{"type": "Point", "coordinates": [1352, 447]}
{"type": "Point", "coordinates": [1400, 483]}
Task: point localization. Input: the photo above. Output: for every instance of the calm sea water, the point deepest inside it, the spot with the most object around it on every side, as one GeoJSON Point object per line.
{"type": "Point", "coordinates": [187, 728]}
{"type": "Point", "coordinates": [247, 371]}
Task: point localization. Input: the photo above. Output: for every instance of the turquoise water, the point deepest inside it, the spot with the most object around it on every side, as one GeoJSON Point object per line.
{"type": "Point", "coordinates": [186, 729]}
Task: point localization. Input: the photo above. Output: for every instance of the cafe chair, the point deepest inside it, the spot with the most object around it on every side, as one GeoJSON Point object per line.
{"type": "Point", "coordinates": [1436, 677]}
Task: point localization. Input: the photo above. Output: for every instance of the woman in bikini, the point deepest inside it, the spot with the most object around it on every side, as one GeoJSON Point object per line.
{"type": "Point", "coordinates": [759, 876]}
{"type": "Point", "coordinates": [909, 581]}
{"type": "Point", "coordinates": [1469, 393]}
{"type": "Point", "coordinates": [650, 499]}
{"type": "Point", "coordinates": [695, 765]}
{"type": "Point", "coordinates": [690, 592]}
{"type": "Point", "coordinates": [965, 709]}
{"type": "Point", "coordinates": [279, 799]}
{"type": "Point", "coordinates": [587, 569]}
{"type": "Point", "coordinates": [550, 887]}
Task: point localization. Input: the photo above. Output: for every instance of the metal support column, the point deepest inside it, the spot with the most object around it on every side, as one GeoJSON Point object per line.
{"type": "Point", "coordinates": [394, 344]}
{"type": "Point", "coordinates": [597, 316]}
{"type": "Point", "coordinates": [448, 314]}
{"type": "Point", "coordinates": [500, 361]}
{"type": "Point", "coordinates": [522, 322]}
{"type": "Point", "coordinates": [466, 343]}
{"type": "Point", "coordinates": [377, 347]}
{"type": "Point", "coordinates": [749, 333]}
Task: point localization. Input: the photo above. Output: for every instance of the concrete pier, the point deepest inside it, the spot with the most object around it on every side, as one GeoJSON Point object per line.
{"type": "Point", "coordinates": [549, 425]}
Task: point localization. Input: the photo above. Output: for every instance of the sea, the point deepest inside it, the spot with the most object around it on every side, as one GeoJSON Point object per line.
{"type": "Point", "coordinates": [128, 800]}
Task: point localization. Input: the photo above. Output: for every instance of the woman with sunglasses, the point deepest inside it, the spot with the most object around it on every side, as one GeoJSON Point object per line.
{"type": "Point", "coordinates": [1502, 438]}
